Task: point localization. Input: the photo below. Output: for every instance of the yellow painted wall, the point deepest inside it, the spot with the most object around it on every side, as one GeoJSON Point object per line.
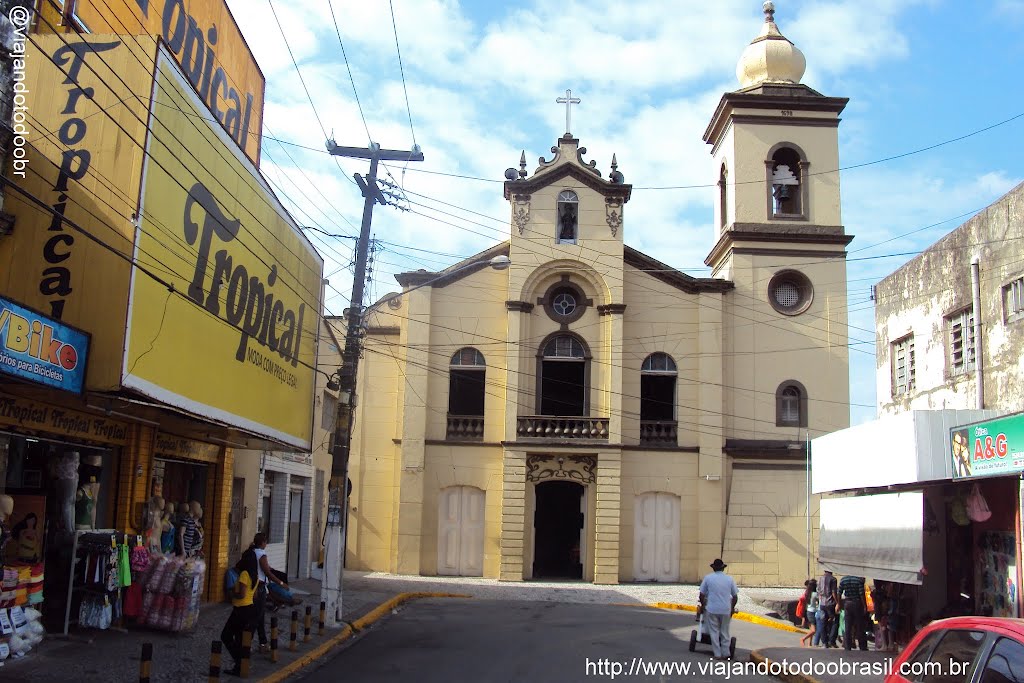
{"type": "Point", "coordinates": [479, 467]}
{"type": "Point", "coordinates": [675, 473]}
{"type": "Point", "coordinates": [767, 528]}
{"type": "Point", "coordinates": [374, 462]}
{"type": "Point", "coordinates": [767, 348]}
{"type": "Point", "coordinates": [751, 144]}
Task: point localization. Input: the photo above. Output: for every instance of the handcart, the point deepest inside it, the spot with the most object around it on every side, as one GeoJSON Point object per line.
{"type": "Point", "coordinates": [700, 635]}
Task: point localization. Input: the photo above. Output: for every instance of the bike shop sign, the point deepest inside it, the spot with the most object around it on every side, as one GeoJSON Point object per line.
{"type": "Point", "coordinates": [988, 448]}
{"type": "Point", "coordinates": [40, 349]}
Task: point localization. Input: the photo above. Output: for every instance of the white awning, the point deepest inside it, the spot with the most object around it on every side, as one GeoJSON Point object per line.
{"type": "Point", "coordinates": [877, 537]}
{"type": "Point", "coordinates": [909, 448]}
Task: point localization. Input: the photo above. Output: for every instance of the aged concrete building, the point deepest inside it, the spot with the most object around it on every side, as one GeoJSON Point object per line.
{"type": "Point", "coordinates": [950, 428]}
{"type": "Point", "coordinates": [593, 413]}
{"type": "Point", "coordinates": [939, 344]}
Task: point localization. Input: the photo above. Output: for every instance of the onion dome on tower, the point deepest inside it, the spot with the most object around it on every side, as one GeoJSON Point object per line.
{"type": "Point", "coordinates": [770, 57]}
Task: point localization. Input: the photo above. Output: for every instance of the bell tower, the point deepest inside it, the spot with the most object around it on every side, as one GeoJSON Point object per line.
{"type": "Point", "coordinates": [775, 145]}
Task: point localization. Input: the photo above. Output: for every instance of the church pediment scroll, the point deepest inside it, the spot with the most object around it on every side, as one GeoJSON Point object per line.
{"type": "Point", "coordinates": [578, 468]}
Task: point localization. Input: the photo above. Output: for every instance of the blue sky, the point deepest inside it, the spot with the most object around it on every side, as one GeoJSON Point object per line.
{"type": "Point", "coordinates": [482, 77]}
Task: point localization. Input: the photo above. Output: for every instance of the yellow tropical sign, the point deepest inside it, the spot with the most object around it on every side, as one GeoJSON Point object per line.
{"type": "Point", "coordinates": [80, 133]}
{"type": "Point", "coordinates": [205, 41]}
{"type": "Point", "coordinates": [225, 295]}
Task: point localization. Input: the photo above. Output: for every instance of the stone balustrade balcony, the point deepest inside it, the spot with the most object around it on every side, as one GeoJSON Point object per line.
{"type": "Point", "coordinates": [659, 432]}
{"type": "Point", "coordinates": [465, 428]}
{"type": "Point", "coordinates": [552, 427]}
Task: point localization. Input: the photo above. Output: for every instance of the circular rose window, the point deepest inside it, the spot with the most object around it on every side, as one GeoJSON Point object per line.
{"type": "Point", "coordinates": [564, 303]}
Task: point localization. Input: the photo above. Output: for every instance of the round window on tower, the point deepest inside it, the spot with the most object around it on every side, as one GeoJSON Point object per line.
{"type": "Point", "coordinates": [790, 292]}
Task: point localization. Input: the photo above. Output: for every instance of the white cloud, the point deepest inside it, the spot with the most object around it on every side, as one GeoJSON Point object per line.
{"type": "Point", "coordinates": [482, 80]}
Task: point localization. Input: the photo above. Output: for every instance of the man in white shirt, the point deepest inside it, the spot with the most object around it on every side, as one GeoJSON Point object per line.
{"type": "Point", "coordinates": [718, 594]}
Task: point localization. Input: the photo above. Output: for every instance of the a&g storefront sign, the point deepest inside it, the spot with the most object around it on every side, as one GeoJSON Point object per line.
{"type": "Point", "coordinates": [40, 349]}
{"type": "Point", "coordinates": [988, 448]}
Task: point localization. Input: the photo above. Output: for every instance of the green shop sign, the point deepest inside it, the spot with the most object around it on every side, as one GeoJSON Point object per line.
{"type": "Point", "coordinates": [988, 448]}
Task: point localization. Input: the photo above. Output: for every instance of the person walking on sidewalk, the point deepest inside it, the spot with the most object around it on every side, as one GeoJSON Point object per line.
{"type": "Point", "coordinates": [851, 588]}
{"type": "Point", "coordinates": [828, 599]}
{"type": "Point", "coordinates": [718, 595]}
{"type": "Point", "coordinates": [243, 611]}
{"type": "Point", "coordinates": [265, 576]}
{"type": "Point", "coordinates": [810, 614]}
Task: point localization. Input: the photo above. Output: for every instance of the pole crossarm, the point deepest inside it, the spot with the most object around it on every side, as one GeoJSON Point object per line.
{"type": "Point", "coordinates": [369, 153]}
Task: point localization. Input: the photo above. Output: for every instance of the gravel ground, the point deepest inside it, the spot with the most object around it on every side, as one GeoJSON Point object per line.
{"type": "Point", "coordinates": [760, 601]}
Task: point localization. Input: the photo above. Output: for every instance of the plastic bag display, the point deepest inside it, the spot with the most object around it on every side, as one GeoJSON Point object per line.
{"type": "Point", "coordinates": [171, 589]}
{"type": "Point", "coordinates": [95, 611]}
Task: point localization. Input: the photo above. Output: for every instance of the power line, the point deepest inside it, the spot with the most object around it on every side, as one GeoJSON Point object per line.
{"type": "Point", "coordinates": [405, 88]}
{"type": "Point", "coordinates": [351, 78]}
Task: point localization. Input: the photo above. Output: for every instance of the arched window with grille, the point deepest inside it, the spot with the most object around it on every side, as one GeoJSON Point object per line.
{"type": "Point", "coordinates": [791, 404]}
{"type": "Point", "coordinates": [563, 369]}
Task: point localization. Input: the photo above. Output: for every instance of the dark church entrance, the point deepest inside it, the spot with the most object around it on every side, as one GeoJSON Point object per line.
{"type": "Point", "coordinates": [556, 531]}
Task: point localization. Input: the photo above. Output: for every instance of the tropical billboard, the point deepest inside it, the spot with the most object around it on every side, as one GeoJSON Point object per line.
{"type": "Point", "coordinates": [225, 293]}
{"type": "Point", "coordinates": [204, 39]}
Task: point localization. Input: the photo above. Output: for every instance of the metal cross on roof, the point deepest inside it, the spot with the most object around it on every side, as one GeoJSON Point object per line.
{"type": "Point", "coordinates": [568, 101]}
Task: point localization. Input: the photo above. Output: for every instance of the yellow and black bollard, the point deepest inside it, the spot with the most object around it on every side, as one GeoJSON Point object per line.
{"type": "Point", "coordinates": [243, 666]}
{"type": "Point", "coordinates": [273, 639]}
{"type": "Point", "coordinates": [308, 624]}
{"type": "Point", "coordinates": [320, 624]}
{"type": "Point", "coordinates": [145, 662]}
{"type": "Point", "coordinates": [295, 630]}
{"type": "Point", "coordinates": [215, 647]}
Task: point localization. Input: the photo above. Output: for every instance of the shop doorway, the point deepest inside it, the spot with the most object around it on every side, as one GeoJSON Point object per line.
{"type": "Point", "coordinates": [235, 519]}
{"type": "Point", "coordinates": [294, 533]}
{"type": "Point", "coordinates": [558, 530]}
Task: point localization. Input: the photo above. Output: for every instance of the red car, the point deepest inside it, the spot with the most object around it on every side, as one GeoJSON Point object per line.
{"type": "Point", "coordinates": [963, 650]}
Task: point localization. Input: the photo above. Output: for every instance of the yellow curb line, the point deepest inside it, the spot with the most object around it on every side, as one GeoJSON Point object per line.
{"type": "Point", "coordinates": [742, 616]}
{"type": "Point", "coordinates": [794, 677]}
{"type": "Point", "coordinates": [360, 624]}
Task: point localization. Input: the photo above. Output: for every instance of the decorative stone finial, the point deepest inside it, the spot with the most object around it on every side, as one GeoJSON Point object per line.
{"type": "Point", "coordinates": [769, 10]}
{"type": "Point", "coordinates": [615, 177]}
{"type": "Point", "coordinates": [522, 165]}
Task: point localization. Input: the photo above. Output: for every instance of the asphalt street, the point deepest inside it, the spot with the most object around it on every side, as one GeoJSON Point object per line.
{"type": "Point", "coordinates": [488, 640]}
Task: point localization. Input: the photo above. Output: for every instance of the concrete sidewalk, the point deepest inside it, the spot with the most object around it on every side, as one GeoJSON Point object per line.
{"type": "Point", "coordinates": [91, 655]}
{"type": "Point", "coordinates": [820, 665]}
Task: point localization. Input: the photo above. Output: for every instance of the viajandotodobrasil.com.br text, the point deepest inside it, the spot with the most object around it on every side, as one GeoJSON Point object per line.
{"type": "Point", "coordinates": [639, 666]}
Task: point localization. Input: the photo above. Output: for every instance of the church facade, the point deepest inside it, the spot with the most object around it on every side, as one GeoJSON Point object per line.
{"type": "Point", "coordinates": [588, 412]}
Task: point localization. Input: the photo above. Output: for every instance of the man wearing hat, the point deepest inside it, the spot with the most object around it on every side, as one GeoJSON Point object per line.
{"type": "Point", "coordinates": [718, 594]}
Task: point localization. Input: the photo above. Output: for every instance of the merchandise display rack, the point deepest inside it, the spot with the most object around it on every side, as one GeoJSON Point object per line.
{"type": "Point", "coordinates": [96, 536]}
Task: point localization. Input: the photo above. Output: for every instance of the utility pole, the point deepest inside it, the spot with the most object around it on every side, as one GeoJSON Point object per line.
{"type": "Point", "coordinates": [337, 517]}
